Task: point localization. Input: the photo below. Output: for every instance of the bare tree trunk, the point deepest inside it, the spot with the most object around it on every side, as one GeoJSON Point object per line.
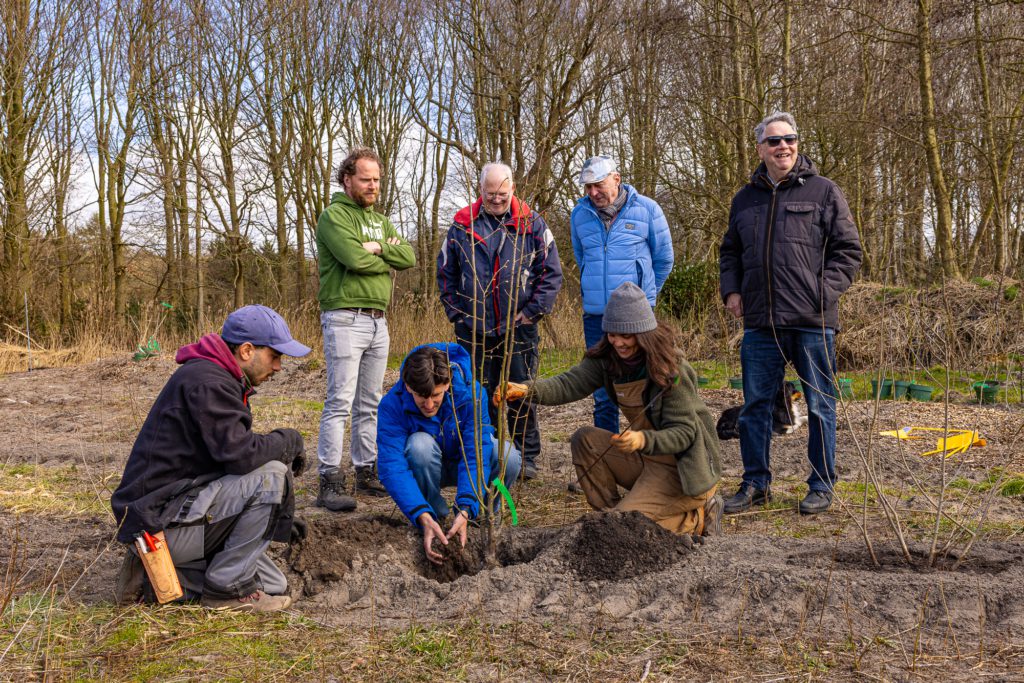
{"type": "Point", "coordinates": [930, 139]}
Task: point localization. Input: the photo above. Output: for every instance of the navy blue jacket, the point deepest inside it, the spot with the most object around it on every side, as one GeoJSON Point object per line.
{"type": "Point", "coordinates": [486, 264]}
{"type": "Point", "coordinates": [790, 251]}
{"type": "Point", "coordinates": [636, 248]}
{"type": "Point", "coordinates": [452, 428]}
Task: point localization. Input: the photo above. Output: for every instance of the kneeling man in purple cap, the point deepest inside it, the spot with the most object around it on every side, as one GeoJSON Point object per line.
{"type": "Point", "coordinates": [219, 491]}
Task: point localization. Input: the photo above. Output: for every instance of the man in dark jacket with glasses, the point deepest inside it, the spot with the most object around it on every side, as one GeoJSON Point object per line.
{"type": "Point", "coordinates": [790, 251]}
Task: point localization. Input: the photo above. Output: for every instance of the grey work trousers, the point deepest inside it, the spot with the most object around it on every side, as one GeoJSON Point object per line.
{"type": "Point", "coordinates": [219, 538]}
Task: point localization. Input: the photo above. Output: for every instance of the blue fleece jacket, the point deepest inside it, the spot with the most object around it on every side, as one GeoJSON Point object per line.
{"type": "Point", "coordinates": [636, 248]}
{"type": "Point", "coordinates": [452, 428]}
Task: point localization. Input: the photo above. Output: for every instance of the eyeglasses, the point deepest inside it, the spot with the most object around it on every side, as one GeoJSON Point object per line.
{"type": "Point", "coordinates": [776, 140]}
{"type": "Point", "coordinates": [495, 196]}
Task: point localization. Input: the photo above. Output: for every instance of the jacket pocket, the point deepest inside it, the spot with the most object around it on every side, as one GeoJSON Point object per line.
{"type": "Point", "coordinates": [640, 275]}
{"type": "Point", "coordinates": [801, 223]}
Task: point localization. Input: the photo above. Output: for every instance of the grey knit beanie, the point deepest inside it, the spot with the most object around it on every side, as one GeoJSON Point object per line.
{"type": "Point", "coordinates": [628, 311]}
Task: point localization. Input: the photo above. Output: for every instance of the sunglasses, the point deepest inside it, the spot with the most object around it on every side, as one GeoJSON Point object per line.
{"type": "Point", "coordinates": [776, 140]}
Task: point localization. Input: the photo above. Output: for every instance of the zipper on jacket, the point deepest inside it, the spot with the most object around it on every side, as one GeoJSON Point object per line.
{"type": "Point", "coordinates": [769, 240]}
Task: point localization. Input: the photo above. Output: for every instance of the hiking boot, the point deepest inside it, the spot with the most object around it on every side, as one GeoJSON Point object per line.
{"type": "Point", "coordinates": [746, 497]}
{"type": "Point", "coordinates": [256, 602]}
{"type": "Point", "coordinates": [815, 502]}
{"type": "Point", "coordinates": [128, 587]}
{"type": "Point", "coordinates": [367, 482]}
{"type": "Point", "coordinates": [332, 493]}
{"type": "Point", "coordinates": [713, 516]}
{"type": "Point", "coordinates": [529, 471]}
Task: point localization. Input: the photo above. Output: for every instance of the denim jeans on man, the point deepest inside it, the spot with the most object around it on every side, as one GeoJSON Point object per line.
{"type": "Point", "coordinates": [356, 353]}
{"type": "Point", "coordinates": [434, 470]}
{"type": "Point", "coordinates": [606, 413]}
{"type": "Point", "coordinates": [763, 357]}
{"type": "Point", "coordinates": [489, 354]}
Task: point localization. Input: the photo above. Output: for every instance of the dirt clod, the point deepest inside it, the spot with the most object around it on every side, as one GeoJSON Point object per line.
{"type": "Point", "coordinates": [622, 545]}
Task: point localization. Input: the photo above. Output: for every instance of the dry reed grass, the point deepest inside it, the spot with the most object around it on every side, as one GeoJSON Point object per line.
{"type": "Point", "coordinates": [960, 324]}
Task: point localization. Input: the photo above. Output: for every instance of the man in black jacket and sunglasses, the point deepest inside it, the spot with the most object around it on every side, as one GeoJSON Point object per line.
{"type": "Point", "coordinates": [790, 251]}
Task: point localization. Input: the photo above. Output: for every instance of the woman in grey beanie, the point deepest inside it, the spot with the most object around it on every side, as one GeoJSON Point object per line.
{"type": "Point", "coordinates": [667, 458]}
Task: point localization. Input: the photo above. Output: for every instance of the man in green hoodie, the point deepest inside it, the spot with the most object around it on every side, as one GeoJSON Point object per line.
{"type": "Point", "coordinates": [358, 248]}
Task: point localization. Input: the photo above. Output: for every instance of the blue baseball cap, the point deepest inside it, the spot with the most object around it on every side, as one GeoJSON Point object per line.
{"type": "Point", "coordinates": [261, 326]}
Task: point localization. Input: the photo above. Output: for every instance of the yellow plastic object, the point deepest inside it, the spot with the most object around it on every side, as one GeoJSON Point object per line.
{"type": "Point", "coordinates": [955, 440]}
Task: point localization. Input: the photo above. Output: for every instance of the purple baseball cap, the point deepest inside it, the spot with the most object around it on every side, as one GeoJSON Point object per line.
{"type": "Point", "coordinates": [261, 326]}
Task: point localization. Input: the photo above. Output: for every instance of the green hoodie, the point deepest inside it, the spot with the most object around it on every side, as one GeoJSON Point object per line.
{"type": "Point", "coordinates": [350, 276]}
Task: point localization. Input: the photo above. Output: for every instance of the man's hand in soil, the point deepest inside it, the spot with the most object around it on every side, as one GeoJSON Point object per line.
{"type": "Point", "coordinates": [510, 390]}
{"type": "Point", "coordinates": [432, 530]}
{"type": "Point", "coordinates": [628, 441]}
{"type": "Point", "coordinates": [459, 527]}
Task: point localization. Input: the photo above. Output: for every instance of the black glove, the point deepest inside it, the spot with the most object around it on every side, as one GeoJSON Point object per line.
{"type": "Point", "coordinates": [299, 530]}
{"type": "Point", "coordinates": [294, 453]}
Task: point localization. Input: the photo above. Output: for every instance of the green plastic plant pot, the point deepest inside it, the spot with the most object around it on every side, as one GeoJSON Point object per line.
{"type": "Point", "coordinates": [703, 381]}
{"type": "Point", "coordinates": [986, 391]}
{"type": "Point", "coordinates": [846, 387]}
{"type": "Point", "coordinates": [735, 382]}
{"type": "Point", "coordinates": [900, 387]}
{"type": "Point", "coordinates": [883, 391]}
{"type": "Point", "coordinates": [797, 385]}
{"type": "Point", "coordinates": [920, 392]}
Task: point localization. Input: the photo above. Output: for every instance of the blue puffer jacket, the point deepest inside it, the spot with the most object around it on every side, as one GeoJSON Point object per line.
{"type": "Point", "coordinates": [398, 418]}
{"type": "Point", "coordinates": [636, 248]}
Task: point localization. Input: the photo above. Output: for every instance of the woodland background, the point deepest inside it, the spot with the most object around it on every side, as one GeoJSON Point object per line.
{"type": "Point", "coordinates": [181, 151]}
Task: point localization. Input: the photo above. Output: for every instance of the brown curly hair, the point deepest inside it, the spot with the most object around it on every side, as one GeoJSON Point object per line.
{"type": "Point", "coordinates": [660, 347]}
{"type": "Point", "coordinates": [347, 166]}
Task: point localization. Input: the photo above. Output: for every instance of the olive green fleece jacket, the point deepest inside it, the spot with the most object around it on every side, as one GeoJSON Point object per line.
{"type": "Point", "coordinates": [350, 276]}
{"type": "Point", "coordinates": [682, 424]}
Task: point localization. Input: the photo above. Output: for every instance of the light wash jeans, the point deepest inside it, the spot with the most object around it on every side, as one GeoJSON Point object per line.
{"type": "Point", "coordinates": [356, 353]}
{"type": "Point", "coordinates": [226, 522]}
{"type": "Point", "coordinates": [434, 470]}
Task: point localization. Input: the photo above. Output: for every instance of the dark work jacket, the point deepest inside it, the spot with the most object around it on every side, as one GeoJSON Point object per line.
{"type": "Point", "coordinates": [790, 251]}
{"type": "Point", "coordinates": [198, 430]}
{"type": "Point", "coordinates": [487, 264]}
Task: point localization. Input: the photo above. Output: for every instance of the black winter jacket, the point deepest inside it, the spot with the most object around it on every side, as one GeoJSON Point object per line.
{"type": "Point", "coordinates": [198, 430]}
{"type": "Point", "coordinates": [789, 251]}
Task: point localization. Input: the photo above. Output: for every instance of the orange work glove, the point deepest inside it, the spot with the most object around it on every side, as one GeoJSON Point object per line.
{"type": "Point", "coordinates": [510, 391]}
{"type": "Point", "coordinates": [628, 441]}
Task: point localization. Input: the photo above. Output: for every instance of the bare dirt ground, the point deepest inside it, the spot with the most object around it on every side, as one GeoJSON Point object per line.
{"type": "Point", "coordinates": [772, 576]}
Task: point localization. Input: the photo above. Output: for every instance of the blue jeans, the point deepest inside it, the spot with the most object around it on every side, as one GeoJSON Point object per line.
{"type": "Point", "coordinates": [606, 413]}
{"type": "Point", "coordinates": [434, 470]}
{"type": "Point", "coordinates": [356, 354]}
{"type": "Point", "coordinates": [763, 357]}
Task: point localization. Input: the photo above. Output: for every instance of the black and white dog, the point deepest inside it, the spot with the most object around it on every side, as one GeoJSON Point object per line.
{"type": "Point", "coordinates": [787, 415]}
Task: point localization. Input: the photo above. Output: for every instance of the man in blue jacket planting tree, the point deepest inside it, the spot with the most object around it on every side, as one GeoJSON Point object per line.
{"type": "Point", "coordinates": [433, 433]}
{"type": "Point", "coordinates": [618, 236]}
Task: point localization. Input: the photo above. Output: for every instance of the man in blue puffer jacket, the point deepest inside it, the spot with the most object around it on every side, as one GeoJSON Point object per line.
{"type": "Point", "coordinates": [618, 235]}
{"type": "Point", "coordinates": [430, 425]}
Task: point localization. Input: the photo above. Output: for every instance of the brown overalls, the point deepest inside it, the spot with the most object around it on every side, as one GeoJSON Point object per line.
{"type": "Point", "coordinates": [652, 482]}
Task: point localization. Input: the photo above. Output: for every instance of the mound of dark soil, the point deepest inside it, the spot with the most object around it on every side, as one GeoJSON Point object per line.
{"type": "Point", "coordinates": [333, 541]}
{"type": "Point", "coordinates": [621, 545]}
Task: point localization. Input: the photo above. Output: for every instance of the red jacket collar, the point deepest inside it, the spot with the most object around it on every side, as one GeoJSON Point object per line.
{"type": "Point", "coordinates": [520, 214]}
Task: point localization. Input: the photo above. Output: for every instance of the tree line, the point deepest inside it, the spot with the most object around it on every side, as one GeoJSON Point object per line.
{"type": "Point", "coordinates": [182, 150]}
